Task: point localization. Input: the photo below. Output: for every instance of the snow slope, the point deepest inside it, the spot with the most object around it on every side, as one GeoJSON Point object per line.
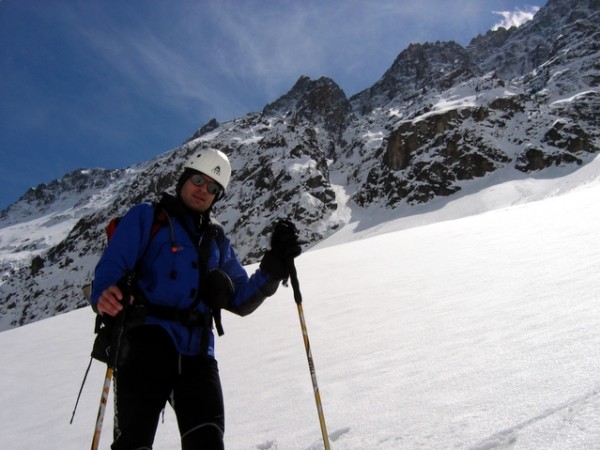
{"type": "Point", "coordinates": [472, 325]}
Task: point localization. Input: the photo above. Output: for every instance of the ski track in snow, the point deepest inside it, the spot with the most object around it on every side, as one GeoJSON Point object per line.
{"type": "Point", "coordinates": [333, 436]}
{"type": "Point", "coordinates": [506, 439]}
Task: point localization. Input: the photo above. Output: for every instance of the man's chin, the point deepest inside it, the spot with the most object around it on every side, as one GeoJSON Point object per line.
{"type": "Point", "coordinates": [200, 206]}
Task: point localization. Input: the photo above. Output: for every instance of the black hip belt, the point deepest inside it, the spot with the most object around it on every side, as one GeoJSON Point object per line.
{"type": "Point", "coordinates": [187, 317]}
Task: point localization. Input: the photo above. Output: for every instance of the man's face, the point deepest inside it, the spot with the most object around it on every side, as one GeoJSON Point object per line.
{"type": "Point", "coordinates": [195, 192]}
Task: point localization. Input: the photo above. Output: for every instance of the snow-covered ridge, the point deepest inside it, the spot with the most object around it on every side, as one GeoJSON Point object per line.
{"type": "Point", "coordinates": [517, 105]}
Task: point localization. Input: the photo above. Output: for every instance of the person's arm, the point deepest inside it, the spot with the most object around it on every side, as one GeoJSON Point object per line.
{"type": "Point", "coordinates": [245, 294]}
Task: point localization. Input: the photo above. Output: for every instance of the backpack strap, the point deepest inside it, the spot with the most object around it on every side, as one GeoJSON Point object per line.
{"type": "Point", "coordinates": [213, 232]}
{"type": "Point", "coordinates": [111, 227]}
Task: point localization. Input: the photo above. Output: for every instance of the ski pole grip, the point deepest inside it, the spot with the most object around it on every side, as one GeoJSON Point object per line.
{"type": "Point", "coordinates": [294, 281]}
{"type": "Point", "coordinates": [125, 284]}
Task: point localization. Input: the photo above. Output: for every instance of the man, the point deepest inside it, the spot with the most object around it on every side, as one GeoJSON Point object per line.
{"type": "Point", "coordinates": [185, 272]}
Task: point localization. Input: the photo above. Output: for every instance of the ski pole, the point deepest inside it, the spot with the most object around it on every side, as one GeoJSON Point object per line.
{"type": "Point", "coordinates": [125, 285]}
{"type": "Point", "coordinates": [311, 365]}
{"type": "Point", "coordinates": [102, 407]}
{"type": "Point", "coordinates": [87, 371]}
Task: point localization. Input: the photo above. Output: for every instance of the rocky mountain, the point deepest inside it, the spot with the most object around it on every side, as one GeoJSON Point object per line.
{"type": "Point", "coordinates": [442, 118]}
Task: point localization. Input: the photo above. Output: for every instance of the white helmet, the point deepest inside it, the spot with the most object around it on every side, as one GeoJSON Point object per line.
{"type": "Point", "coordinates": [213, 163]}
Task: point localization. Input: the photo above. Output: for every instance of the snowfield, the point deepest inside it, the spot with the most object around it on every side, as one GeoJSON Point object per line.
{"type": "Point", "coordinates": [474, 324]}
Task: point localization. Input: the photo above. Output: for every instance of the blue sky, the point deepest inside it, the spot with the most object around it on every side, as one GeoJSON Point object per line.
{"type": "Point", "coordinates": [110, 83]}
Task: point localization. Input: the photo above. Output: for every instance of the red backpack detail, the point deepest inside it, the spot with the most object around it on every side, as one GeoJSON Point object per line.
{"type": "Point", "coordinates": [160, 219]}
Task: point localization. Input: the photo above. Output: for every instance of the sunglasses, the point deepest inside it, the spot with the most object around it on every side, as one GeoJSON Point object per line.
{"type": "Point", "coordinates": [211, 186]}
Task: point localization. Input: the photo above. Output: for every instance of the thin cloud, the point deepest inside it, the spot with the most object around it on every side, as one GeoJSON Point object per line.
{"type": "Point", "coordinates": [515, 18]}
{"type": "Point", "coordinates": [343, 40]}
{"type": "Point", "coordinates": [268, 44]}
{"type": "Point", "coordinates": [218, 52]}
{"type": "Point", "coordinates": [144, 54]}
{"type": "Point", "coordinates": [222, 50]}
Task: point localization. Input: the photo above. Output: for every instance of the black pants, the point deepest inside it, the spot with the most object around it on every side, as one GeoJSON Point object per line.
{"type": "Point", "coordinates": [153, 373]}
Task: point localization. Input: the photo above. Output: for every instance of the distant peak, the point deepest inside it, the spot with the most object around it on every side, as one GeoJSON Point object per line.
{"type": "Point", "coordinates": [319, 101]}
{"type": "Point", "coordinates": [298, 93]}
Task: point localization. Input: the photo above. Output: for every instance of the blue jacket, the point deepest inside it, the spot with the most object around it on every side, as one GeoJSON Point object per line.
{"type": "Point", "coordinates": [169, 274]}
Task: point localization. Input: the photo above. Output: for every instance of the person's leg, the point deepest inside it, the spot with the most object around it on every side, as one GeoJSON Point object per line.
{"type": "Point", "coordinates": [142, 387]}
{"type": "Point", "coordinates": [198, 404]}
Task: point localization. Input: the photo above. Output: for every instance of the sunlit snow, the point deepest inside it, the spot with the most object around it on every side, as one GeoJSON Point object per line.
{"type": "Point", "coordinates": [473, 325]}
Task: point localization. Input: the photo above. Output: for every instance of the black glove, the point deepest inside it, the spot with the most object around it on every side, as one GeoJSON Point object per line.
{"type": "Point", "coordinates": [218, 289]}
{"type": "Point", "coordinates": [285, 246]}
